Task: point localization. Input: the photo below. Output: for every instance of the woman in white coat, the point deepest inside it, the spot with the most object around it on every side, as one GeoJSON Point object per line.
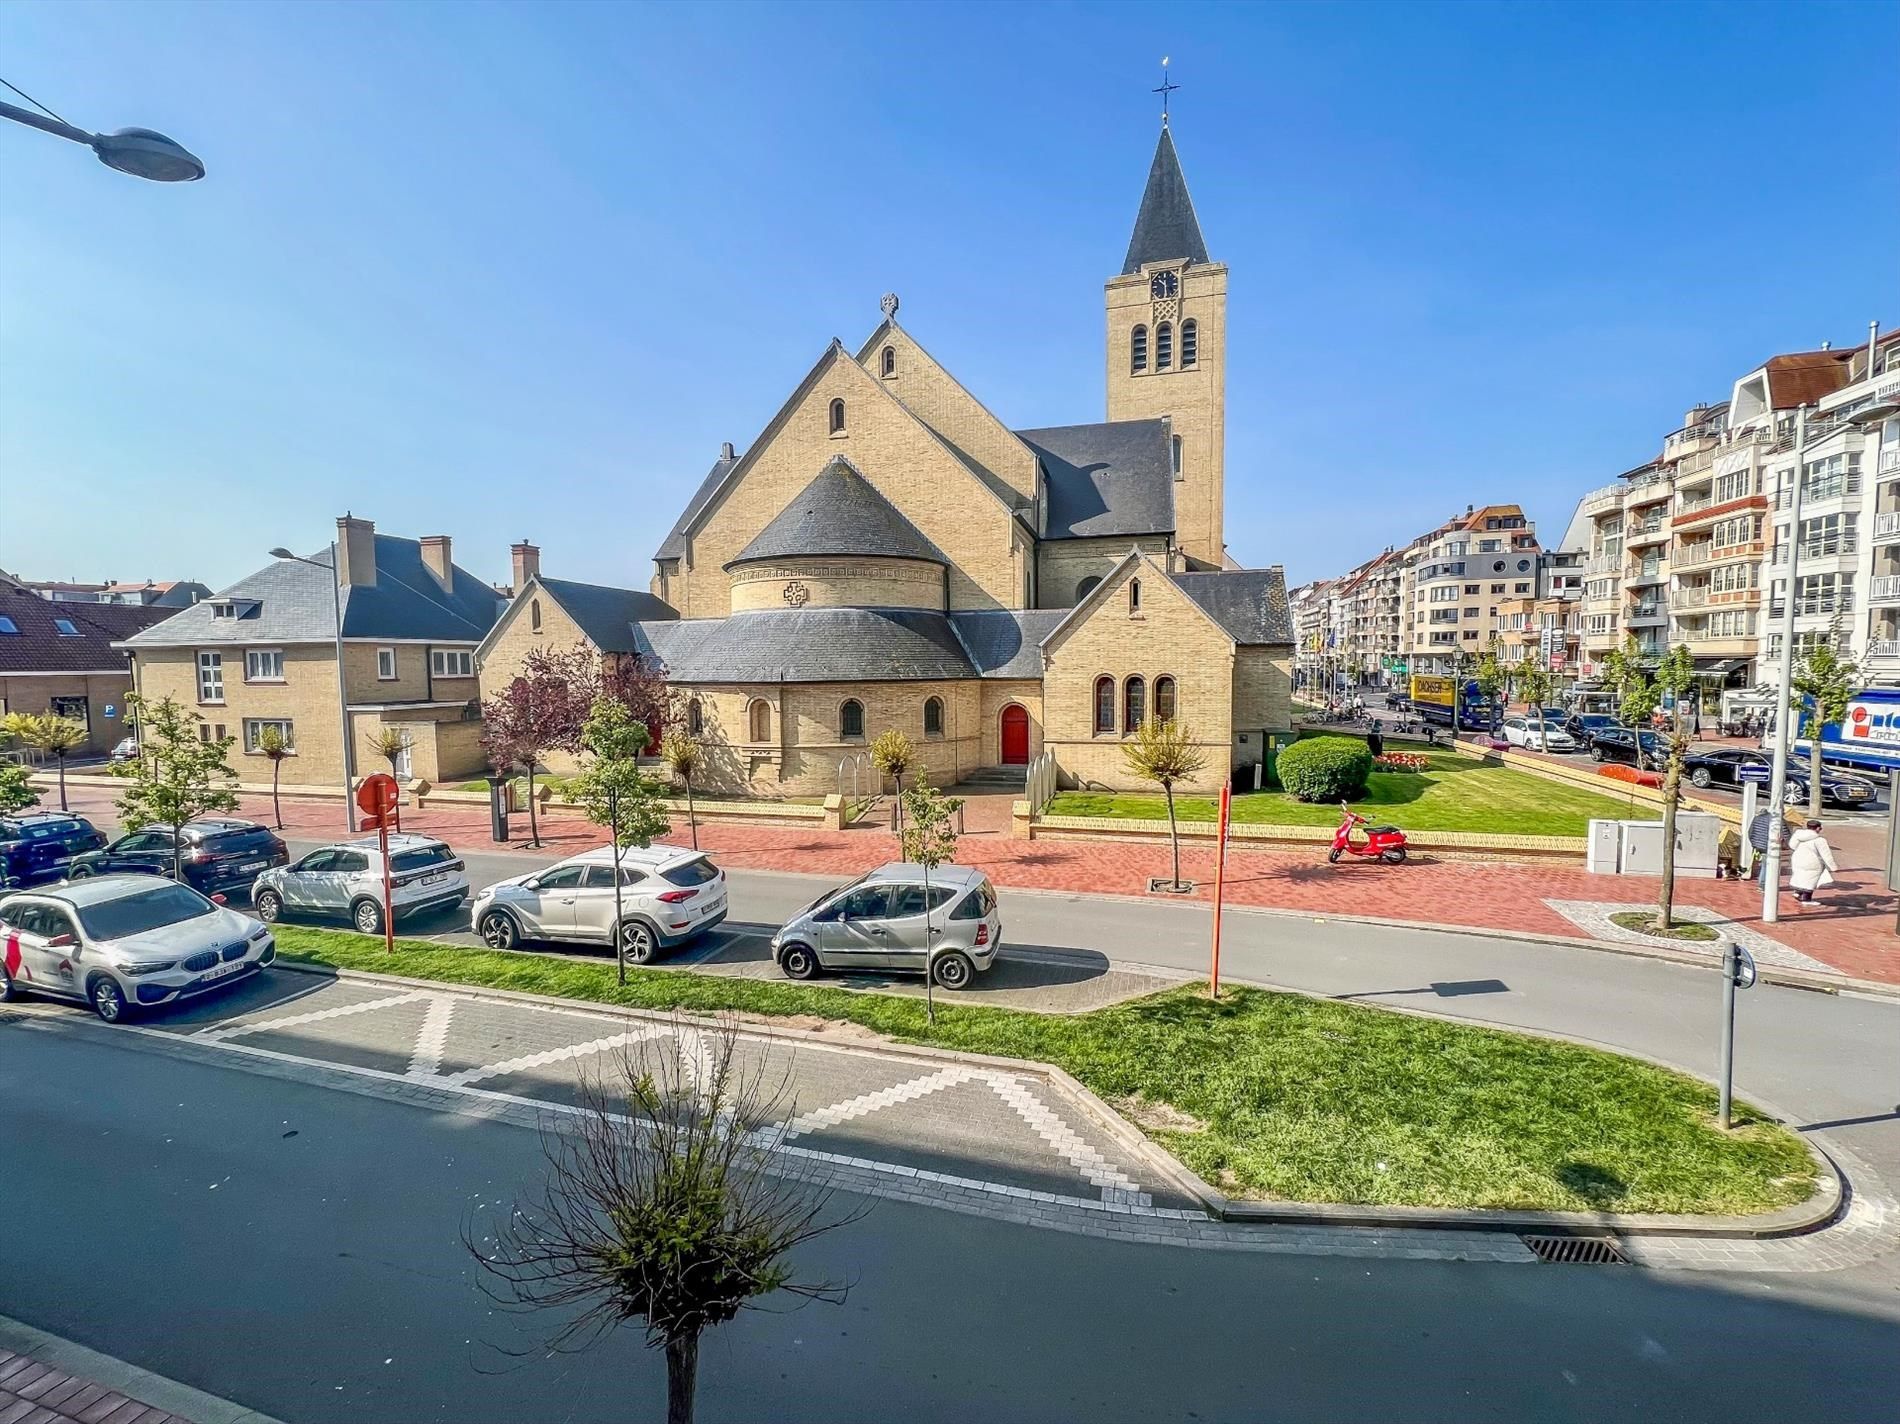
{"type": "Point", "coordinates": [1810, 862]}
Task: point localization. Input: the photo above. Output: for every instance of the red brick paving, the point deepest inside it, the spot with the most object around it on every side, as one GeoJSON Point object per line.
{"type": "Point", "coordinates": [32, 1393]}
{"type": "Point", "coordinates": [1851, 929]}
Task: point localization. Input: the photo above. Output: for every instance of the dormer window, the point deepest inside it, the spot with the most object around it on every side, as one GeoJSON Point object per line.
{"type": "Point", "coordinates": [66, 627]}
{"type": "Point", "coordinates": [837, 417]}
{"type": "Point", "coordinates": [224, 608]}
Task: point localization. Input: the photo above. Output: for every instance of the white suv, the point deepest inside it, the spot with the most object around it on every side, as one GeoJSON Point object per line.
{"type": "Point", "coordinates": [347, 880]}
{"type": "Point", "coordinates": [667, 895]}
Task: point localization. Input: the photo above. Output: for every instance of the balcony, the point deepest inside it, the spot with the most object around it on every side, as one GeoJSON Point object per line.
{"type": "Point", "coordinates": [1645, 614]}
{"type": "Point", "coordinates": [1607, 498]}
{"type": "Point", "coordinates": [1890, 462]}
{"type": "Point", "coordinates": [1693, 512]}
{"type": "Point", "coordinates": [1690, 596]}
{"type": "Point", "coordinates": [1883, 649]}
{"type": "Point", "coordinates": [1842, 486]}
{"type": "Point", "coordinates": [1638, 574]}
{"type": "Point", "coordinates": [1826, 605]}
{"type": "Point", "coordinates": [1649, 532]}
{"type": "Point", "coordinates": [1883, 589]}
{"type": "Point", "coordinates": [1887, 526]}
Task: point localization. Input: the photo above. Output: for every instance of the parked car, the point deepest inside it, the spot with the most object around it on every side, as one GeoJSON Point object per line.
{"type": "Point", "coordinates": [1640, 748]}
{"type": "Point", "coordinates": [214, 853]}
{"type": "Point", "coordinates": [35, 845]}
{"type": "Point", "coordinates": [878, 921]}
{"type": "Point", "coordinates": [125, 942]}
{"type": "Point", "coordinates": [668, 894]}
{"type": "Point", "coordinates": [1721, 766]}
{"type": "Point", "coordinates": [1524, 732]}
{"type": "Point", "coordinates": [1582, 726]}
{"type": "Point", "coordinates": [125, 749]}
{"type": "Point", "coordinates": [347, 881]}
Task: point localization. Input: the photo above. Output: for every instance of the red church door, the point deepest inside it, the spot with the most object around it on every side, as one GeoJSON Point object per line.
{"type": "Point", "coordinates": [1015, 736]}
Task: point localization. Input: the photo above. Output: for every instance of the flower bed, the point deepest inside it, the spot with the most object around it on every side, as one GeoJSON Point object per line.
{"type": "Point", "coordinates": [1616, 771]}
{"type": "Point", "coordinates": [1401, 761]}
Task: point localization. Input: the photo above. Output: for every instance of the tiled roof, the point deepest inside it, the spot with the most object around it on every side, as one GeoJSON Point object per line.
{"type": "Point", "coordinates": [839, 514]}
{"type": "Point", "coordinates": [1803, 377]}
{"type": "Point", "coordinates": [39, 645]}
{"type": "Point", "coordinates": [1006, 642]}
{"type": "Point", "coordinates": [1249, 603]}
{"type": "Point", "coordinates": [809, 645]}
{"type": "Point", "coordinates": [607, 615]}
{"type": "Point", "coordinates": [1109, 479]}
{"type": "Point", "coordinates": [674, 545]}
{"type": "Point", "coordinates": [1166, 229]}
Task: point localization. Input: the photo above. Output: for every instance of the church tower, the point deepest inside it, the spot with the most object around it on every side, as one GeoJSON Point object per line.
{"type": "Point", "coordinates": [1167, 349]}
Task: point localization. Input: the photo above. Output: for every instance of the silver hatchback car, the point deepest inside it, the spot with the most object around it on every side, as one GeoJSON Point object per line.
{"type": "Point", "coordinates": [346, 881]}
{"type": "Point", "coordinates": [125, 942]}
{"type": "Point", "coordinates": [886, 920]}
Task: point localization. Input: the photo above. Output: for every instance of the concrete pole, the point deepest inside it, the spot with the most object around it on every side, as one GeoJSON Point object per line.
{"type": "Point", "coordinates": [1784, 683]}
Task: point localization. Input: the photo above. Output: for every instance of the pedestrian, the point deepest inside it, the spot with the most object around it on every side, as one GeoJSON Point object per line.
{"type": "Point", "coordinates": [1810, 862]}
{"type": "Point", "coordinates": [1759, 830]}
{"type": "Point", "coordinates": [1375, 742]}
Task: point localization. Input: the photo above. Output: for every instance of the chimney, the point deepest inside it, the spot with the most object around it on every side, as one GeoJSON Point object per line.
{"type": "Point", "coordinates": [725, 451]}
{"type": "Point", "coordinates": [356, 552]}
{"type": "Point", "coordinates": [435, 558]}
{"type": "Point", "coordinates": [527, 563]}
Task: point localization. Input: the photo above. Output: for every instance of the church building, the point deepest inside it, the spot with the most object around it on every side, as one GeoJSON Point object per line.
{"type": "Point", "coordinates": [888, 554]}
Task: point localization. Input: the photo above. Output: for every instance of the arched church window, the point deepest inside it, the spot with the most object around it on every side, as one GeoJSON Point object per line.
{"type": "Point", "coordinates": [933, 716]}
{"type": "Point", "coordinates": [888, 361]}
{"type": "Point", "coordinates": [1086, 587]}
{"type": "Point", "coordinates": [1190, 343]}
{"type": "Point", "coordinates": [695, 718]}
{"type": "Point", "coordinates": [837, 417]}
{"type": "Point", "coordinates": [851, 718]}
{"type": "Point", "coordinates": [1104, 706]}
{"type": "Point", "coordinates": [1134, 704]}
{"type": "Point", "coordinates": [1164, 346]}
{"type": "Point", "coordinates": [1164, 699]}
{"type": "Point", "coordinates": [1134, 597]}
{"type": "Point", "coordinates": [534, 614]}
{"type": "Point", "coordinates": [761, 721]}
{"type": "Point", "coordinates": [1138, 350]}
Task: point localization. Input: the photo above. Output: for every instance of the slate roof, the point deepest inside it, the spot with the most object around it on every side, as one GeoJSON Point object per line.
{"type": "Point", "coordinates": [294, 605]}
{"type": "Point", "coordinates": [839, 513]}
{"type": "Point", "coordinates": [1006, 642]}
{"type": "Point", "coordinates": [39, 646]}
{"type": "Point", "coordinates": [607, 615]}
{"type": "Point", "coordinates": [809, 645]}
{"type": "Point", "coordinates": [1250, 604]}
{"type": "Point", "coordinates": [1109, 479]}
{"type": "Point", "coordinates": [674, 545]}
{"type": "Point", "coordinates": [1166, 229]}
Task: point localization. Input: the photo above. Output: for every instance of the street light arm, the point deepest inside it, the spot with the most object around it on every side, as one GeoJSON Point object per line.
{"type": "Point", "coordinates": [45, 125]}
{"type": "Point", "coordinates": [141, 153]}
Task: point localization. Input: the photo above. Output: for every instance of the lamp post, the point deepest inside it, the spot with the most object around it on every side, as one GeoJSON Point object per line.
{"type": "Point", "coordinates": [1784, 685]}
{"type": "Point", "coordinates": [342, 683]}
{"type": "Point", "coordinates": [143, 153]}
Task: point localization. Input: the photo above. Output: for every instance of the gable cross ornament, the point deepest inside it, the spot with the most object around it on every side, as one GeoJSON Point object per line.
{"type": "Point", "coordinates": [1167, 88]}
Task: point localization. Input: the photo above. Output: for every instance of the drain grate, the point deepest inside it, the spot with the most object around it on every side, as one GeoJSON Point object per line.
{"type": "Point", "coordinates": [1577, 1250]}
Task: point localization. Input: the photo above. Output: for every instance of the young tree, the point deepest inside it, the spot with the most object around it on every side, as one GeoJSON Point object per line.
{"type": "Point", "coordinates": [1536, 684]}
{"type": "Point", "coordinates": [391, 743]}
{"type": "Point", "coordinates": [59, 737]}
{"type": "Point", "coordinates": [271, 744]}
{"type": "Point", "coordinates": [1164, 753]}
{"type": "Point", "coordinates": [16, 787]}
{"type": "Point", "coordinates": [1494, 677]}
{"type": "Point", "coordinates": [660, 1206]}
{"type": "Point", "coordinates": [1639, 694]}
{"type": "Point", "coordinates": [680, 751]}
{"type": "Point", "coordinates": [1824, 683]}
{"type": "Point", "coordinates": [181, 773]}
{"type": "Point", "coordinates": [614, 793]}
{"type": "Point", "coordinates": [893, 755]}
{"type": "Point", "coordinates": [930, 839]}
{"type": "Point", "coordinates": [529, 718]}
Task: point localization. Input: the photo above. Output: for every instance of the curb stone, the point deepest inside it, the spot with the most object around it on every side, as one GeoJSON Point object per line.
{"type": "Point", "coordinates": [153, 1390]}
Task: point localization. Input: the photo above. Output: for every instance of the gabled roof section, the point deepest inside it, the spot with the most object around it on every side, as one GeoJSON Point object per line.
{"type": "Point", "coordinates": [1803, 377]}
{"type": "Point", "coordinates": [674, 545]}
{"type": "Point", "coordinates": [839, 514]}
{"type": "Point", "coordinates": [1006, 642]}
{"type": "Point", "coordinates": [1166, 229]}
{"type": "Point", "coordinates": [1250, 604]}
{"type": "Point", "coordinates": [38, 644]}
{"type": "Point", "coordinates": [606, 615]}
{"type": "Point", "coordinates": [1112, 478]}
{"type": "Point", "coordinates": [1109, 584]}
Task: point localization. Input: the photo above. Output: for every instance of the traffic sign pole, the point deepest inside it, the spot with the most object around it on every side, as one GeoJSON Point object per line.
{"type": "Point", "coordinates": [1220, 873]}
{"type": "Point", "coordinates": [1738, 972]}
{"type": "Point", "coordinates": [389, 908]}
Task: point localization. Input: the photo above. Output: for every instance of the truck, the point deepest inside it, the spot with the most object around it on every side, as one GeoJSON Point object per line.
{"type": "Point", "coordinates": [1432, 699]}
{"type": "Point", "coordinates": [1866, 739]}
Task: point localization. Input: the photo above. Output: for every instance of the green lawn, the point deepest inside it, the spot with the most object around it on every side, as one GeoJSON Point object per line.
{"type": "Point", "coordinates": [1275, 1096]}
{"type": "Point", "coordinates": [1456, 793]}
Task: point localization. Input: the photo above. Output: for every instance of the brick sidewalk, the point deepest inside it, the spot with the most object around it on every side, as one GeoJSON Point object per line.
{"type": "Point", "coordinates": [32, 1393]}
{"type": "Point", "coordinates": [1852, 929]}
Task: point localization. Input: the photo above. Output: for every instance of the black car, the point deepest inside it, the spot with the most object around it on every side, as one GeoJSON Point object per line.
{"type": "Point", "coordinates": [1720, 766]}
{"type": "Point", "coordinates": [35, 845]}
{"type": "Point", "coordinates": [1582, 726]}
{"type": "Point", "coordinates": [1640, 748]}
{"type": "Point", "coordinates": [214, 854]}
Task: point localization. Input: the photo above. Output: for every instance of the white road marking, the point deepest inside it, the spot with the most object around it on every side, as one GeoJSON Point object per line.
{"type": "Point", "coordinates": [552, 1055]}
{"type": "Point", "coordinates": [433, 1039]}
{"type": "Point", "coordinates": [225, 1031]}
{"type": "Point", "coordinates": [865, 1103]}
{"type": "Point", "coordinates": [1115, 1184]}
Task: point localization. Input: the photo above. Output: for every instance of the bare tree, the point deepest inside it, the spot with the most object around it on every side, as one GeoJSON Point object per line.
{"type": "Point", "coordinates": [1164, 753]}
{"type": "Point", "coordinates": [662, 1204]}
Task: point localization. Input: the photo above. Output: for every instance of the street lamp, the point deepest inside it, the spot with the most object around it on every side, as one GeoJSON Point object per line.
{"type": "Point", "coordinates": [1784, 685]}
{"type": "Point", "coordinates": [144, 153]}
{"type": "Point", "coordinates": [342, 689]}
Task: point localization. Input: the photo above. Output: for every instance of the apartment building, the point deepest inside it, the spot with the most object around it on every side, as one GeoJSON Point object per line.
{"type": "Point", "coordinates": [1456, 580]}
{"type": "Point", "coordinates": [177, 593]}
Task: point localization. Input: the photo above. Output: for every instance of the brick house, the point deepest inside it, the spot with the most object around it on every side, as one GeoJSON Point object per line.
{"type": "Point", "coordinates": [60, 657]}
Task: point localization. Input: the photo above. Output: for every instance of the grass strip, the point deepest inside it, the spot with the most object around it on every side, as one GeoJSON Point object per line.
{"type": "Point", "coordinates": [1270, 1095]}
{"type": "Point", "coordinates": [1644, 922]}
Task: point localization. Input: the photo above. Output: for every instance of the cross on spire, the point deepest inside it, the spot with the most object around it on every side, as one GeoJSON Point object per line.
{"type": "Point", "coordinates": [1166, 88]}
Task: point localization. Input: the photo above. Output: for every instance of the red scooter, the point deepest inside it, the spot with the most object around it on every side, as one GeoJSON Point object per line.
{"type": "Point", "coordinates": [1385, 843]}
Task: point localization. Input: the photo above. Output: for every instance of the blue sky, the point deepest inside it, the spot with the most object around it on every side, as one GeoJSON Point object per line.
{"type": "Point", "coordinates": [516, 270]}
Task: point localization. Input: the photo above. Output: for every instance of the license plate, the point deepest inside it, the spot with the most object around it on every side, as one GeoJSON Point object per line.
{"type": "Point", "coordinates": [221, 971]}
{"type": "Point", "coordinates": [435, 879]}
{"type": "Point", "coordinates": [252, 865]}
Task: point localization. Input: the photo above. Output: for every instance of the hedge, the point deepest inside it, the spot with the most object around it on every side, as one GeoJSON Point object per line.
{"type": "Point", "coordinates": [1326, 768]}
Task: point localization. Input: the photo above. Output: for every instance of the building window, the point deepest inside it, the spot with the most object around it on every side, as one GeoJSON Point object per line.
{"type": "Point", "coordinates": [385, 664]}
{"type": "Point", "coordinates": [933, 716]}
{"type": "Point", "coordinates": [888, 361]}
{"type": "Point", "coordinates": [761, 721]}
{"type": "Point", "coordinates": [224, 610]}
{"type": "Point", "coordinates": [1086, 587]}
{"type": "Point", "coordinates": [695, 718]}
{"type": "Point", "coordinates": [66, 627]}
{"type": "Point", "coordinates": [1104, 706]}
{"type": "Point", "coordinates": [254, 729]}
{"type": "Point", "coordinates": [534, 615]}
{"type": "Point", "coordinates": [1164, 346]}
{"type": "Point", "coordinates": [1164, 699]}
{"type": "Point", "coordinates": [1176, 446]}
{"type": "Point", "coordinates": [1134, 704]}
{"type": "Point", "coordinates": [1138, 350]}
{"type": "Point", "coordinates": [264, 665]}
{"type": "Point", "coordinates": [7, 625]}
{"type": "Point", "coordinates": [1190, 343]}
{"type": "Point", "coordinates": [450, 662]}
{"type": "Point", "coordinates": [1134, 598]}
{"type": "Point", "coordinates": [851, 719]}
{"type": "Point", "coordinates": [211, 677]}
{"type": "Point", "coordinates": [837, 417]}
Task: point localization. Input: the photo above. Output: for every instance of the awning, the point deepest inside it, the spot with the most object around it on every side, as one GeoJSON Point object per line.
{"type": "Point", "coordinates": [1719, 667]}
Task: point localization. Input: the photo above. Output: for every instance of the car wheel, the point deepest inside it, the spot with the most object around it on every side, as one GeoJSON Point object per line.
{"type": "Point", "coordinates": [1793, 794]}
{"type": "Point", "coordinates": [1597, 752]}
{"type": "Point", "coordinates": [1394, 855]}
{"type": "Point", "coordinates": [797, 961]}
{"type": "Point", "coordinates": [638, 941]}
{"type": "Point", "coordinates": [499, 930]}
{"type": "Point", "coordinates": [953, 970]}
{"type": "Point", "coordinates": [269, 906]}
{"type": "Point", "coordinates": [1700, 777]}
{"type": "Point", "coordinates": [9, 991]}
{"type": "Point", "coordinates": [108, 1000]}
{"type": "Point", "coordinates": [79, 872]}
{"type": "Point", "coordinates": [367, 916]}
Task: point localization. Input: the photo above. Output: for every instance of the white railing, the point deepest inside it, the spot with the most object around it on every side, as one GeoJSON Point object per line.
{"type": "Point", "coordinates": [1690, 597]}
{"type": "Point", "coordinates": [1884, 588]}
{"type": "Point", "coordinates": [1039, 784]}
{"type": "Point", "coordinates": [1887, 526]}
{"type": "Point", "coordinates": [854, 769]}
{"type": "Point", "coordinates": [1608, 497]}
{"type": "Point", "coordinates": [1604, 564]}
{"type": "Point", "coordinates": [1889, 461]}
{"type": "Point", "coordinates": [1883, 648]}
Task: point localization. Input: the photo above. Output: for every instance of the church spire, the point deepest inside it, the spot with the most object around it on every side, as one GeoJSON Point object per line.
{"type": "Point", "coordinates": [1166, 229]}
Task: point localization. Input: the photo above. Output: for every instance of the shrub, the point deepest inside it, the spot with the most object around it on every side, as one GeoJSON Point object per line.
{"type": "Point", "coordinates": [1326, 768]}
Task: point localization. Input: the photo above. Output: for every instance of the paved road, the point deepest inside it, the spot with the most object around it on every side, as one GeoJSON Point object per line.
{"type": "Point", "coordinates": [297, 1249]}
